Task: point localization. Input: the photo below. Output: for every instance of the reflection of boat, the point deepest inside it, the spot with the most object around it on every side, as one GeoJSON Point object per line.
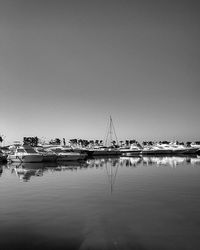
{"type": "Point", "coordinates": [72, 164]}
{"type": "Point", "coordinates": [165, 160]}
{"type": "Point", "coordinates": [25, 170]}
{"type": "Point", "coordinates": [24, 154]}
{"type": "Point", "coordinates": [30, 165]}
{"type": "Point", "coordinates": [195, 160]}
{"type": "Point", "coordinates": [130, 161]}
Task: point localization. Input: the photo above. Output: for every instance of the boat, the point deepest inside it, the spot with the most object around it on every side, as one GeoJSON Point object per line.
{"type": "Point", "coordinates": [195, 145]}
{"type": "Point", "coordinates": [67, 154]}
{"type": "Point", "coordinates": [133, 150]}
{"type": "Point", "coordinates": [104, 151]}
{"type": "Point", "coordinates": [48, 156]}
{"type": "Point", "coordinates": [182, 149]}
{"type": "Point", "coordinates": [155, 150]}
{"type": "Point", "coordinates": [109, 148]}
{"type": "Point", "coordinates": [24, 153]}
{"type": "Point", "coordinates": [168, 149]}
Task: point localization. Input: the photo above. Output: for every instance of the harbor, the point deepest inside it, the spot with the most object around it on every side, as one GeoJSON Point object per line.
{"type": "Point", "coordinates": [99, 125]}
{"type": "Point", "coordinates": [74, 152]}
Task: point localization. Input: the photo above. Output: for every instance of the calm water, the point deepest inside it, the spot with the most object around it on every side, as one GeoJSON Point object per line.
{"type": "Point", "coordinates": [115, 203]}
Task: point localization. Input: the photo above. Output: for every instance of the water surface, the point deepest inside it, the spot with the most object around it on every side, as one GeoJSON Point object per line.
{"type": "Point", "coordinates": [105, 203]}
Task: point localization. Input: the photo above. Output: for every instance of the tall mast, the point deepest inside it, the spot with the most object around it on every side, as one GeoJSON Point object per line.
{"type": "Point", "coordinates": [110, 132]}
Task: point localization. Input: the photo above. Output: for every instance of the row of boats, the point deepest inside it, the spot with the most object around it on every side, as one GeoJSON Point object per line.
{"type": "Point", "coordinates": [52, 153]}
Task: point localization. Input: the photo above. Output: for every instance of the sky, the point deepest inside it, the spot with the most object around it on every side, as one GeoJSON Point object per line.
{"type": "Point", "coordinates": [66, 66]}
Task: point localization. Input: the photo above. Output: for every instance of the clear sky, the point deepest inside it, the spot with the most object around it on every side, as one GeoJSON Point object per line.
{"type": "Point", "coordinates": [65, 66]}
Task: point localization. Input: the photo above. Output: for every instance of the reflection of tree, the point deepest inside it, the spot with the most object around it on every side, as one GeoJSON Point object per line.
{"type": "Point", "coordinates": [1, 170]}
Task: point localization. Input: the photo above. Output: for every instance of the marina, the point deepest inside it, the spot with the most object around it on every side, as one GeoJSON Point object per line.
{"type": "Point", "coordinates": [53, 153]}
{"type": "Point", "coordinates": [99, 125]}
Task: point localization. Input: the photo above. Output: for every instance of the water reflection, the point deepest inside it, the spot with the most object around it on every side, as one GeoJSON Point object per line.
{"type": "Point", "coordinates": [1, 170]}
{"type": "Point", "coordinates": [130, 161]}
{"type": "Point", "coordinates": [67, 205]}
{"type": "Point", "coordinates": [26, 170]}
{"type": "Point", "coordinates": [171, 161]}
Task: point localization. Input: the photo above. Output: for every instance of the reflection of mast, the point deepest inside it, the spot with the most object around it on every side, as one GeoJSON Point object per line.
{"type": "Point", "coordinates": [110, 133]}
{"type": "Point", "coordinates": [111, 175]}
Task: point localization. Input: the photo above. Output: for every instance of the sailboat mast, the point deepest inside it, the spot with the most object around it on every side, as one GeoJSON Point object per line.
{"type": "Point", "coordinates": [110, 132]}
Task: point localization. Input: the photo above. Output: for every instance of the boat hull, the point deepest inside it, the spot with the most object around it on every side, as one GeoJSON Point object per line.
{"type": "Point", "coordinates": [104, 152]}
{"type": "Point", "coordinates": [157, 152]}
{"type": "Point", "coordinates": [50, 158]}
{"type": "Point", "coordinates": [25, 158]}
{"type": "Point", "coordinates": [71, 157]}
{"type": "Point", "coordinates": [131, 153]}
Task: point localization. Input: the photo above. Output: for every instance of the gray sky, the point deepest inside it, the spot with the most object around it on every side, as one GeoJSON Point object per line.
{"type": "Point", "coordinates": [65, 66]}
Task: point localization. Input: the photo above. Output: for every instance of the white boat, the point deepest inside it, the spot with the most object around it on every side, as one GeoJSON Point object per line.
{"type": "Point", "coordinates": [182, 149]}
{"type": "Point", "coordinates": [67, 154]}
{"type": "Point", "coordinates": [157, 149]}
{"type": "Point", "coordinates": [195, 145]}
{"type": "Point", "coordinates": [130, 151]}
{"type": "Point", "coordinates": [48, 156]}
{"type": "Point", "coordinates": [24, 154]}
{"type": "Point", "coordinates": [104, 151]}
{"type": "Point", "coordinates": [170, 149]}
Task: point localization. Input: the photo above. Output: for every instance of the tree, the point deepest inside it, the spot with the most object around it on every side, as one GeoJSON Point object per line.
{"type": "Point", "coordinates": [32, 141]}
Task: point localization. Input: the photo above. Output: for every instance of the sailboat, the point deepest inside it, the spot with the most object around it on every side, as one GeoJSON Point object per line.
{"type": "Point", "coordinates": [109, 149]}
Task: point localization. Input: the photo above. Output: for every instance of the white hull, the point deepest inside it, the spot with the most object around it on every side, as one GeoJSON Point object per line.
{"type": "Point", "coordinates": [25, 158]}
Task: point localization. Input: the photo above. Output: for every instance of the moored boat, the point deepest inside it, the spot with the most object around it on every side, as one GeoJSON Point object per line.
{"type": "Point", "coordinates": [24, 154]}
{"type": "Point", "coordinates": [67, 154]}
{"type": "Point", "coordinates": [155, 150]}
{"type": "Point", "coordinates": [48, 156]}
{"type": "Point", "coordinates": [130, 151]}
{"type": "Point", "coordinates": [104, 151]}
